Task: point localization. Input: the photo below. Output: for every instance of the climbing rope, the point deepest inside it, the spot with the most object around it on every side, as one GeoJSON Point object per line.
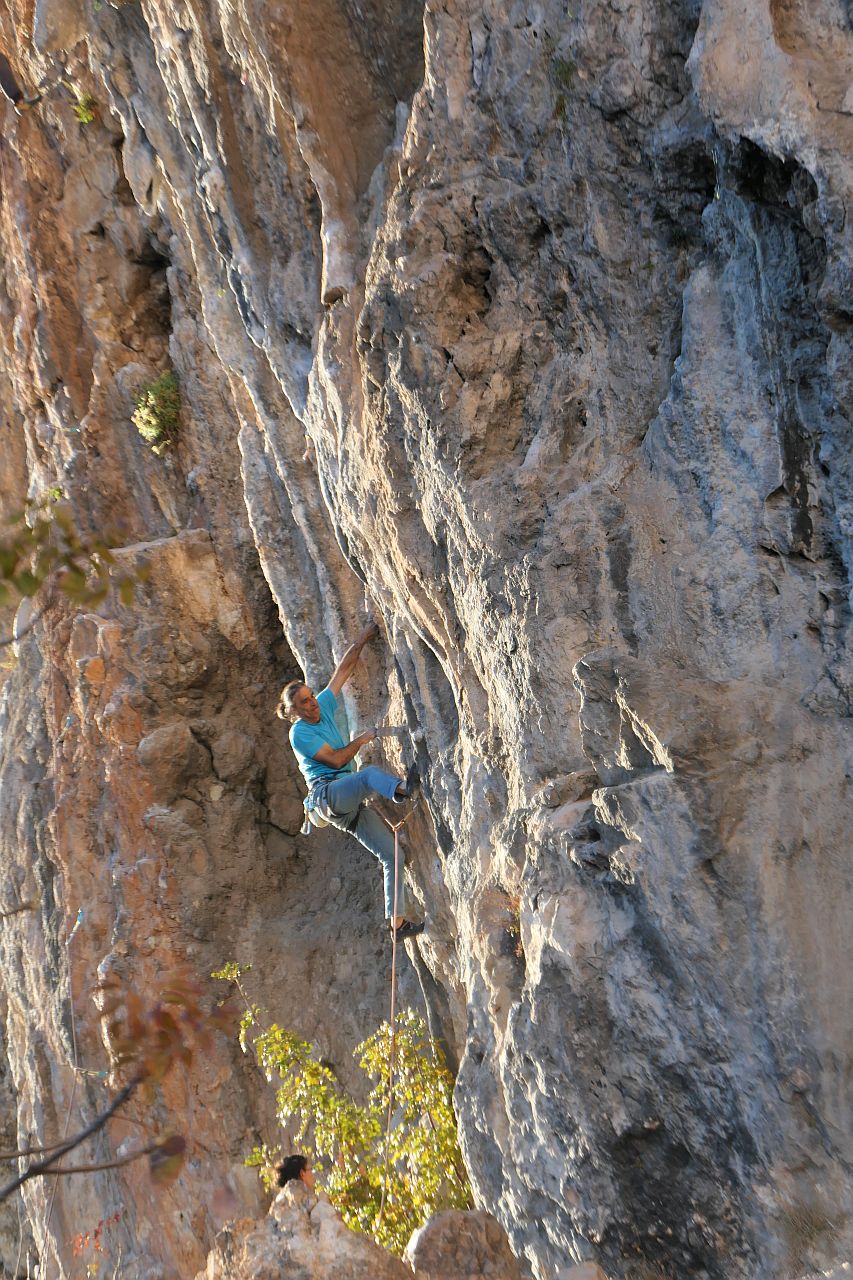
{"type": "Point", "coordinates": [396, 827]}
{"type": "Point", "coordinates": [77, 1071]}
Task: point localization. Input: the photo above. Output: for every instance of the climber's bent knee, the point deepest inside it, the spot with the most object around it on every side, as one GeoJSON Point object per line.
{"type": "Point", "coordinates": [346, 794]}
{"type": "Point", "coordinates": [384, 784]}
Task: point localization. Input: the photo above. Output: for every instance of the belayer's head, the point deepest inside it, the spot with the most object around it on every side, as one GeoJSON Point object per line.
{"type": "Point", "coordinates": [297, 702]}
{"type": "Point", "coordinates": [295, 1169]}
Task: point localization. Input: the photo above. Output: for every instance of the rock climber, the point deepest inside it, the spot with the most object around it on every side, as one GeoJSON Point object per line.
{"type": "Point", "coordinates": [12, 89]}
{"type": "Point", "coordinates": [295, 1169]}
{"type": "Point", "coordinates": [336, 789]}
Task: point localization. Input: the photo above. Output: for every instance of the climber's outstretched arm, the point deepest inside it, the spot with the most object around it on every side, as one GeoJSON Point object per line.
{"type": "Point", "coordinates": [349, 661]}
{"type": "Point", "coordinates": [339, 757]}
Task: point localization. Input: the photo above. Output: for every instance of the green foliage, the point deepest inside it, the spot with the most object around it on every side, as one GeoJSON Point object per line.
{"type": "Point", "coordinates": [231, 971]}
{"type": "Point", "coordinates": [158, 406]}
{"type": "Point", "coordinates": [425, 1169]}
{"type": "Point", "coordinates": [264, 1159]}
{"type": "Point", "coordinates": [43, 546]}
{"type": "Point", "coordinates": [563, 71]}
{"type": "Point", "coordinates": [250, 1018]}
{"type": "Point", "coordinates": [85, 108]}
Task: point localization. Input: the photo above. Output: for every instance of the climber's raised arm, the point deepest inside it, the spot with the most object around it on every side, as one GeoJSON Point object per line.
{"type": "Point", "coordinates": [349, 661]}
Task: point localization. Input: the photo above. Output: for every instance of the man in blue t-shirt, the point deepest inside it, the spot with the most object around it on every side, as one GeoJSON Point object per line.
{"type": "Point", "coordinates": [336, 789]}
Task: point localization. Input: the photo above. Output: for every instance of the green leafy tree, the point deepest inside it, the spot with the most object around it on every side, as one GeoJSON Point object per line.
{"type": "Point", "coordinates": [350, 1144]}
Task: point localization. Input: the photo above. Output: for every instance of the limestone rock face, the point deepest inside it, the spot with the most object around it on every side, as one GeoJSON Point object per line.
{"type": "Point", "coordinates": [525, 327]}
{"type": "Point", "coordinates": [466, 1245]}
{"type": "Point", "coordinates": [303, 1238]}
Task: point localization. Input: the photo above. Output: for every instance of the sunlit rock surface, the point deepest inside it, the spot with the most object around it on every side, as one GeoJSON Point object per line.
{"type": "Point", "coordinates": [467, 1245]}
{"type": "Point", "coordinates": [303, 1238]}
{"type": "Point", "coordinates": [526, 327]}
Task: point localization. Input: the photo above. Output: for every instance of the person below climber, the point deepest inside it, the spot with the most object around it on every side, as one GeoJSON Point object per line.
{"type": "Point", "coordinates": [294, 1169]}
{"type": "Point", "coordinates": [336, 789]}
{"type": "Point", "coordinates": [12, 89]}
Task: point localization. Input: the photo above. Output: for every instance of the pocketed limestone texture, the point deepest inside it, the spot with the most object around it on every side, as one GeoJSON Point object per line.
{"type": "Point", "coordinates": [526, 327]}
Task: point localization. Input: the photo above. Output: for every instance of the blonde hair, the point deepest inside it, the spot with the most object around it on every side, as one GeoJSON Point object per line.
{"type": "Point", "coordinates": [285, 698]}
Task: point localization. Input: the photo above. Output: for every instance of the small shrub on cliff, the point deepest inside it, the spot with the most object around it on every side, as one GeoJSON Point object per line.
{"type": "Point", "coordinates": [85, 108]}
{"type": "Point", "coordinates": [563, 72]}
{"type": "Point", "coordinates": [426, 1172]}
{"type": "Point", "coordinates": [158, 406]}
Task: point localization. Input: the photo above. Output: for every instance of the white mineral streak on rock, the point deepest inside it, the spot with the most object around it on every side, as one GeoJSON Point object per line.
{"type": "Point", "coordinates": [527, 326]}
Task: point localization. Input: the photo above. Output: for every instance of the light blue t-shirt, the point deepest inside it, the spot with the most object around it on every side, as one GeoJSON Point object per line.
{"type": "Point", "coordinates": [307, 739]}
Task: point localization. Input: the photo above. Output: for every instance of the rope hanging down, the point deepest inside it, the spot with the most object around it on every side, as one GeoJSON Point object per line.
{"type": "Point", "coordinates": [392, 1051]}
{"type": "Point", "coordinates": [76, 1069]}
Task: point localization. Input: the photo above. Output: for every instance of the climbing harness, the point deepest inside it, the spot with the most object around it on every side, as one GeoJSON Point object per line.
{"type": "Point", "coordinates": [396, 827]}
{"type": "Point", "coordinates": [316, 812]}
{"type": "Point", "coordinates": [316, 806]}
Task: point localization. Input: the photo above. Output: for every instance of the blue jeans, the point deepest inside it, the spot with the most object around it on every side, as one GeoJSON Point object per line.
{"type": "Point", "coordinates": [345, 810]}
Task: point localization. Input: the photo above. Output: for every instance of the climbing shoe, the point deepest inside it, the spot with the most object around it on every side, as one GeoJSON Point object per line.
{"type": "Point", "coordinates": [413, 784]}
{"type": "Point", "coordinates": [408, 929]}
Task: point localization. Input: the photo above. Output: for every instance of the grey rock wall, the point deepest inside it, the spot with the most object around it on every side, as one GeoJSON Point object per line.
{"type": "Point", "coordinates": [524, 326]}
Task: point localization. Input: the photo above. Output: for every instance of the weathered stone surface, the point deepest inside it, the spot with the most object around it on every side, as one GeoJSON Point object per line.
{"type": "Point", "coordinates": [17, 1249]}
{"type": "Point", "coordinates": [527, 327]}
{"type": "Point", "coordinates": [302, 1238]}
{"type": "Point", "coordinates": [467, 1246]}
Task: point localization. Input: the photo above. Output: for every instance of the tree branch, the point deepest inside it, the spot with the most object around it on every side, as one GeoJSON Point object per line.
{"type": "Point", "coordinates": [37, 1151]}
{"type": "Point", "coordinates": [25, 906]}
{"type": "Point", "coordinates": [5, 641]}
{"type": "Point", "coordinates": [44, 1166]}
{"type": "Point", "coordinates": [30, 1151]}
{"type": "Point", "coordinates": [106, 1164]}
